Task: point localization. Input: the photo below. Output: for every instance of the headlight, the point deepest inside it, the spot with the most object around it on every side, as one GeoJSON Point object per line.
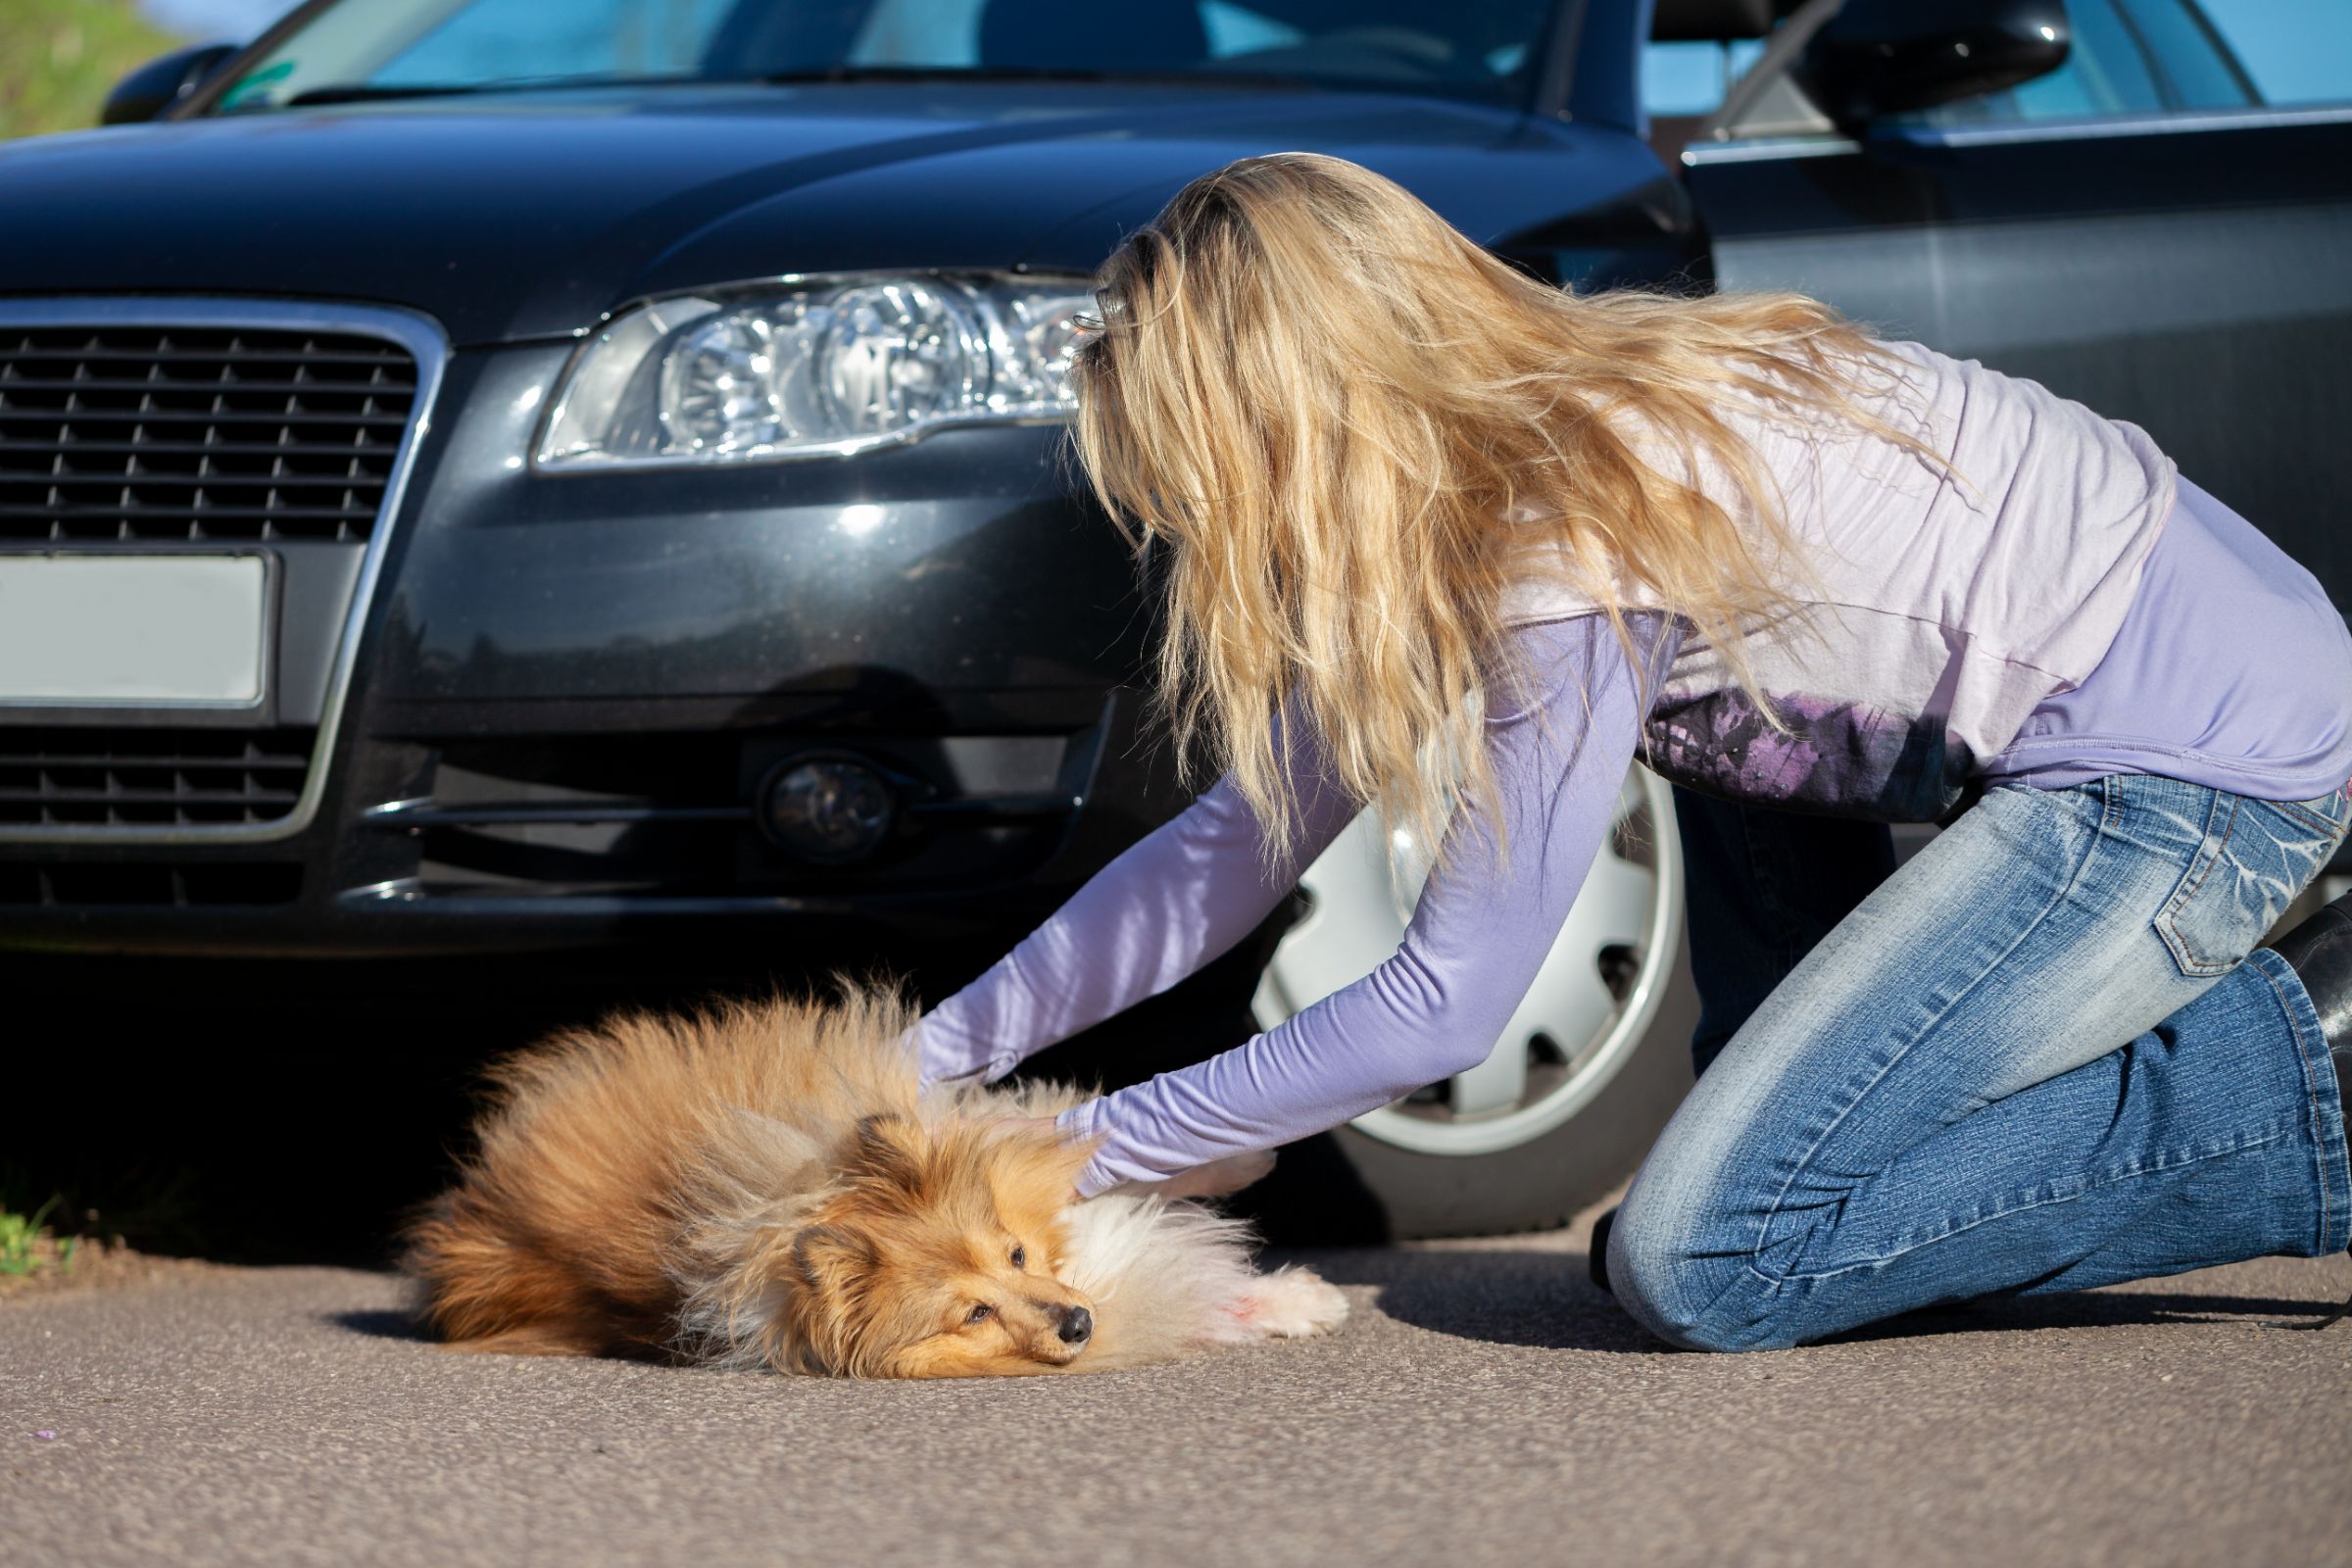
{"type": "Point", "coordinates": [814, 367]}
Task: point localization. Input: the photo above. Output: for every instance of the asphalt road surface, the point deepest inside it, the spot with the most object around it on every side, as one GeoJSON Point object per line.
{"type": "Point", "coordinates": [1485, 1405]}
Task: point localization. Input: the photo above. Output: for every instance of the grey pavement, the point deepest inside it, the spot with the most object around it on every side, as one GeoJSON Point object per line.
{"type": "Point", "coordinates": [1485, 1406]}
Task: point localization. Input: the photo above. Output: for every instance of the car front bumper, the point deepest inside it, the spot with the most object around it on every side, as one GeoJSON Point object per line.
{"type": "Point", "coordinates": [567, 692]}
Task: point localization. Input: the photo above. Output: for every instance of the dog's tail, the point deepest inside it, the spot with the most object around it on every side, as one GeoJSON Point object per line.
{"type": "Point", "coordinates": [483, 1290]}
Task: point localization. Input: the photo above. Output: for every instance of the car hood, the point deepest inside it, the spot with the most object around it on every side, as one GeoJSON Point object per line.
{"type": "Point", "coordinates": [531, 215]}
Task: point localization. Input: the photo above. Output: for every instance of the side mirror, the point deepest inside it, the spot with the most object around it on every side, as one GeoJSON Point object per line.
{"type": "Point", "coordinates": [156, 87]}
{"type": "Point", "coordinates": [1883, 56]}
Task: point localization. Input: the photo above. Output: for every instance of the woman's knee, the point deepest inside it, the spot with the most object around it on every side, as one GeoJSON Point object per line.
{"type": "Point", "coordinates": [1653, 1269]}
{"type": "Point", "coordinates": [1690, 1290]}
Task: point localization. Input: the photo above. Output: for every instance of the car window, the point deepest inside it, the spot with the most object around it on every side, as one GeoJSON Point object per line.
{"type": "Point", "coordinates": [2129, 57]}
{"type": "Point", "coordinates": [1689, 77]}
{"type": "Point", "coordinates": [2107, 72]}
{"type": "Point", "coordinates": [2173, 56]}
{"type": "Point", "coordinates": [1373, 38]}
{"type": "Point", "coordinates": [2293, 51]}
{"type": "Point", "coordinates": [2197, 66]}
{"type": "Point", "coordinates": [946, 32]}
{"type": "Point", "coordinates": [361, 48]}
{"type": "Point", "coordinates": [579, 39]}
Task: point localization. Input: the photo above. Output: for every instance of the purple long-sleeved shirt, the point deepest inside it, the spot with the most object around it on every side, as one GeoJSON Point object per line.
{"type": "Point", "coordinates": [1192, 889]}
{"type": "Point", "coordinates": [2230, 670]}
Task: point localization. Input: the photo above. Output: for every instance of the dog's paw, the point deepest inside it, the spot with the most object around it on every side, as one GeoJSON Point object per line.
{"type": "Point", "coordinates": [1290, 1304]}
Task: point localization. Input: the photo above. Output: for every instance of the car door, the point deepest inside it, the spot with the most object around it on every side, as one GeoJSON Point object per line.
{"type": "Point", "coordinates": [2158, 229]}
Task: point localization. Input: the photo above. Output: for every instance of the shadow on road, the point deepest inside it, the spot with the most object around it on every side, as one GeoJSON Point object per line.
{"type": "Point", "coordinates": [1543, 1299]}
{"type": "Point", "coordinates": [377, 1325]}
{"type": "Point", "coordinates": [1540, 1299]}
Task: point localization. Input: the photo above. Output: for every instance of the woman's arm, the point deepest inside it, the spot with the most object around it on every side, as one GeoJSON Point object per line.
{"type": "Point", "coordinates": [1178, 898]}
{"type": "Point", "coordinates": [1476, 939]}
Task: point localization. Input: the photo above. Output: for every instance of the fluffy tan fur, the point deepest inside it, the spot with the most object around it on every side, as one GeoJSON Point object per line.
{"type": "Point", "coordinates": [765, 1186]}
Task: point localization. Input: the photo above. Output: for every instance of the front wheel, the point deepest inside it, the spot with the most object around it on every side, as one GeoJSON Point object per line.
{"type": "Point", "coordinates": [1584, 1076]}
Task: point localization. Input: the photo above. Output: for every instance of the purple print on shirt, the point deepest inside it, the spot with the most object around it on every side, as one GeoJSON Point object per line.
{"type": "Point", "coordinates": [1835, 757]}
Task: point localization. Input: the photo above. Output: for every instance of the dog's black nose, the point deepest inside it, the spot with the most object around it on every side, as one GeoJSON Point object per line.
{"type": "Point", "coordinates": [1077, 1326]}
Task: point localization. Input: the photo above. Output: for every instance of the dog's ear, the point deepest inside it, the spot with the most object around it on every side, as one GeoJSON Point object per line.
{"type": "Point", "coordinates": [888, 1149]}
{"type": "Point", "coordinates": [832, 1261]}
{"type": "Point", "coordinates": [833, 1266]}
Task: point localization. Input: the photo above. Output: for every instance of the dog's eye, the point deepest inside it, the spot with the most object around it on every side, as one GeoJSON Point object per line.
{"type": "Point", "coordinates": [978, 1314]}
{"type": "Point", "coordinates": [1020, 1257]}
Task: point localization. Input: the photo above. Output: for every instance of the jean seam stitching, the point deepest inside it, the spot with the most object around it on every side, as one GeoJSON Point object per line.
{"type": "Point", "coordinates": [2075, 1197]}
{"type": "Point", "coordinates": [2209, 853]}
{"type": "Point", "coordinates": [2306, 815]}
{"type": "Point", "coordinates": [2193, 963]}
{"type": "Point", "coordinates": [2311, 1095]}
{"type": "Point", "coordinates": [1805, 1160]}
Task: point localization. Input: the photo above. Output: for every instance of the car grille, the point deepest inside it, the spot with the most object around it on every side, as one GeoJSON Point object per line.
{"type": "Point", "coordinates": [58, 776]}
{"type": "Point", "coordinates": [148, 885]}
{"type": "Point", "coordinates": [172, 432]}
{"type": "Point", "coordinates": [671, 816]}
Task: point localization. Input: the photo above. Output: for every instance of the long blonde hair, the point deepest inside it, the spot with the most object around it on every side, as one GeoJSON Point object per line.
{"type": "Point", "coordinates": [1338, 414]}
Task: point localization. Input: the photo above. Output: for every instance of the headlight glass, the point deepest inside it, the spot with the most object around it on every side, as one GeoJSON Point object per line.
{"type": "Point", "coordinates": [815, 366]}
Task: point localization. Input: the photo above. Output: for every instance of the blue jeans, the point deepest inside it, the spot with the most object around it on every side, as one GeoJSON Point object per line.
{"type": "Point", "coordinates": [2036, 1057]}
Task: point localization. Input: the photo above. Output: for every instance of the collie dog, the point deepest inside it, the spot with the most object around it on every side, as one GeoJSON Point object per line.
{"type": "Point", "coordinates": [766, 1186]}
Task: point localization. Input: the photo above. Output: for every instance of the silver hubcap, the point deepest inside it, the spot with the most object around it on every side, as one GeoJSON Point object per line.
{"type": "Point", "coordinates": [1590, 1004]}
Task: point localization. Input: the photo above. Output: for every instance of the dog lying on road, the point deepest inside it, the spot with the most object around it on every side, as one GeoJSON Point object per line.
{"type": "Point", "coordinates": [765, 1186]}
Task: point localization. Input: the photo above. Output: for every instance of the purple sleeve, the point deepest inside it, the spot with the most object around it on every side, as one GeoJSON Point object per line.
{"type": "Point", "coordinates": [1175, 899]}
{"type": "Point", "coordinates": [1475, 942]}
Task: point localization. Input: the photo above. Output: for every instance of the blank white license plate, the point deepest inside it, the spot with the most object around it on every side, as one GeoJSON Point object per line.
{"type": "Point", "coordinates": [132, 629]}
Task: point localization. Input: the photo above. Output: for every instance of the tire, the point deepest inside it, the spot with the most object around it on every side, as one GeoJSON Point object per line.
{"type": "Point", "coordinates": [1348, 1187]}
{"type": "Point", "coordinates": [1588, 1070]}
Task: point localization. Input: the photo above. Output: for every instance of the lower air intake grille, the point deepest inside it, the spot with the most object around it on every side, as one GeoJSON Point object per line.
{"type": "Point", "coordinates": [156, 777]}
{"type": "Point", "coordinates": [141, 884]}
{"type": "Point", "coordinates": [189, 432]}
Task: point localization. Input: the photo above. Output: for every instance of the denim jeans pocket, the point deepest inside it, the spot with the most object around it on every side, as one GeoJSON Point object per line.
{"type": "Point", "coordinates": [2255, 857]}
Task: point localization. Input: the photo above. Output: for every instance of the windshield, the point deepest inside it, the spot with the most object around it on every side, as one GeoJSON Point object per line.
{"type": "Point", "coordinates": [361, 49]}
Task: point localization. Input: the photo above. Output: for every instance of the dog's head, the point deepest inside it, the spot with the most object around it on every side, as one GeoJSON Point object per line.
{"type": "Point", "coordinates": [938, 1257]}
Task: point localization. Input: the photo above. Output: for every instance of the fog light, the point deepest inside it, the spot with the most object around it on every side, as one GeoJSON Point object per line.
{"type": "Point", "coordinates": [828, 809]}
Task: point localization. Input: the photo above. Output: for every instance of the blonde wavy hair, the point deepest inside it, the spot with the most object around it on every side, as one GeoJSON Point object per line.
{"type": "Point", "coordinates": [1346, 423]}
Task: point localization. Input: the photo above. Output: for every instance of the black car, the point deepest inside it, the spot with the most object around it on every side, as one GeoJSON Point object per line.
{"type": "Point", "coordinates": [482, 475]}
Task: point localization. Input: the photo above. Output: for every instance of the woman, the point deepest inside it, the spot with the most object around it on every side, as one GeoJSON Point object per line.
{"type": "Point", "coordinates": [1458, 547]}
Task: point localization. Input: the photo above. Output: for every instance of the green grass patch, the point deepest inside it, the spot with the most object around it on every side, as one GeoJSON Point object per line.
{"type": "Point", "coordinates": [26, 1248]}
{"type": "Point", "coordinates": [59, 59]}
{"type": "Point", "coordinates": [93, 1188]}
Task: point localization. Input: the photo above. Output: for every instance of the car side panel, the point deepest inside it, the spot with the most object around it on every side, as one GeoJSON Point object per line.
{"type": "Point", "coordinates": [2187, 276]}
